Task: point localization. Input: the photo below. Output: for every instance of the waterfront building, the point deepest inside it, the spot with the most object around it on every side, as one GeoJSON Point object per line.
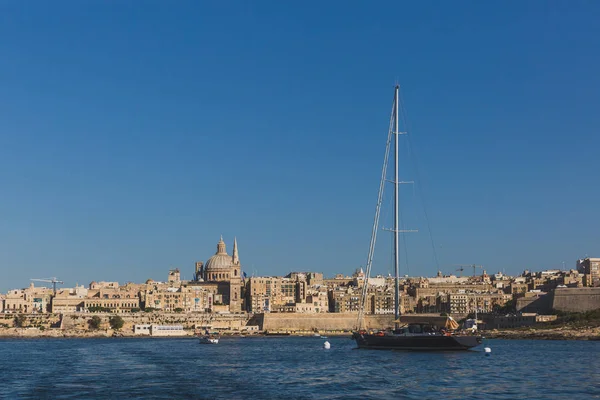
{"type": "Point", "coordinates": [142, 329]}
{"type": "Point", "coordinates": [219, 286]}
{"type": "Point", "coordinates": [158, 330]}
{"type": "Point", "coordinates": [491, 321]}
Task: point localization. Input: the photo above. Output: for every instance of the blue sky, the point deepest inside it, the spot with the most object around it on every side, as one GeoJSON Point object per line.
{"type": "Point", "coordinates": [132, 135]}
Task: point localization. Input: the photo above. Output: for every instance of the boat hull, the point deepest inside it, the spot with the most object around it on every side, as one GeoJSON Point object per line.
{"type": "Point", "coordinates": [417, 342]}
{"type": "Point", "coordinates": [209, 340]}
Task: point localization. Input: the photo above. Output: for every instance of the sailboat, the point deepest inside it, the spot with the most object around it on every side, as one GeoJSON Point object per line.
{"type": "Point", "coordinates": [411, 332]}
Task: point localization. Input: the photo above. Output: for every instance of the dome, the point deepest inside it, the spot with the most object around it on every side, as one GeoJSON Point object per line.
{"type": "Point", "coordinates": [220, 261]}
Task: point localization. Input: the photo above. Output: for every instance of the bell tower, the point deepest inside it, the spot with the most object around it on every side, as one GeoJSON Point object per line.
{"type": "Point", "coordinates": [235, 282]}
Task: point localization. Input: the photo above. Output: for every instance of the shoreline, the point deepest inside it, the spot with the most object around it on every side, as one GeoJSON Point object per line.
{"type": "Point", "coordinates": [560, 333]}
{"type": "Point", "coordinates": [57, 333]}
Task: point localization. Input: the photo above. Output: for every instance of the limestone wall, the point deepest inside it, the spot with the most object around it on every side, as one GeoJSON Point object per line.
{"type": "Point", "coordinates": [576, 299]}
{"type": "Point", "coordinates": [284, 322]}
{"type": "Point", "coordinates": [43, 321]}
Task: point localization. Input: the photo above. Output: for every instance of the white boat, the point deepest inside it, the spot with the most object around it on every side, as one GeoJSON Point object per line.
{"type": "Point", "coordinates": [209, 339]}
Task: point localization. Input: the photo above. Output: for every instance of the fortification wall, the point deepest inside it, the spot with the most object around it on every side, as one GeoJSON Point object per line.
{"type": "Point", "coordinates": [31, 320]}
{"type": "Point", "coordinates": [576, 299]}
{"type": "Point", "coordinates": [539, 305]}
{"type": "Point", "coordinates": [283, 322]}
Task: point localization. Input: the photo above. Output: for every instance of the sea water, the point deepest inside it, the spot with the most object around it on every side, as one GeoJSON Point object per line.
{"type": "Point", "coordinates": [292, 368]}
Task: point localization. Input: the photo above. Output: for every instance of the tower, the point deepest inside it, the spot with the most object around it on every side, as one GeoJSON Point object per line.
{"type": "Point", "coordinates": [198, 273]}
{"type": "Point", "coordinates": [235, 283]}
{"type": "Point", "coordinates": [235, 257]}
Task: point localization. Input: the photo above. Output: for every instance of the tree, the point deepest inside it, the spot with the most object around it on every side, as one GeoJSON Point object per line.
{"type": "Point", "coordinates": [20, 321]}
{"type": "Point", "coordinates": [508, 308]}
{"type": "Point", "coordinates": [116, 322]}
{"type": "Point", "coordinates": [178, 309]}
{"type": "Point", "coordinates": [95, 322]}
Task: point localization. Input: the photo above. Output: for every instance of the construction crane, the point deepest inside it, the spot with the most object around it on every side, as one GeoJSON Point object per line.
{"type": "Point", "coordinates": [53, 281]}
{"type": "Point", "coordinates": [461, 269]}
{"type": "Point", "coordinates": [476, 266]}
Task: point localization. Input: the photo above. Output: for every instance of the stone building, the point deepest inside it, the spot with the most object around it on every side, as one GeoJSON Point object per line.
{"type": "Point", "coordinates": [381, 301]}
{"type": "Point", "coordinates": [344, 299]}
{"type": "Point", "coordinates": [226, 272]}
{"type": "Point", "coordinates": [302, 292]}
{"type": "Point", "coordinates": [266, 294]}
{"type": "Point", "coordinates": [70, 300]}
{"type": "Point", "coordinates": [28, 300]}
{"type": "Point", "coordinates": [465, 303]}
{"type": "Point", "coordinates": [590, 268]}
{"type": "Point", "coordinates": [114, 300]}
{"type": "Point", "coordinates": [103, 285]}
{"type": "Point", "coordinates": [190, 297]}
{"type": "Point", "coordinates": [174, 275]}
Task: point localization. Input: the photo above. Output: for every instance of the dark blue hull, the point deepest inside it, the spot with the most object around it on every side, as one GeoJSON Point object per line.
{"type": "Point", "coordinates": [417, 342]}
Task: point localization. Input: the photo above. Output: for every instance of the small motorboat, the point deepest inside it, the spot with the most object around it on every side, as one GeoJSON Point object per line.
{"type": "Point", "coordinates": [209, 339]}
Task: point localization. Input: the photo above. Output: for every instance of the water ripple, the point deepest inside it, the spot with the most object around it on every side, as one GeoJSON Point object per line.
{"type": "Point", "coordinates": [292, 368]}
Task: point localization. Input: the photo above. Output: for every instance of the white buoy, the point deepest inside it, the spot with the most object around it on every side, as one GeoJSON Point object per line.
{"type": "Point", "coordinates": [488, 351]}
{"type": "Point", "coordinates": [326, 345]}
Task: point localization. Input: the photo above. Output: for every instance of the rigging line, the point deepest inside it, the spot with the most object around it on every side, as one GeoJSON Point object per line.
{"type": "Point", "coordinates": [414, 160]}
{"type": "Point", "coordinates": [403, 235]}
{"type": "Point", "coordinates": [376, 219]}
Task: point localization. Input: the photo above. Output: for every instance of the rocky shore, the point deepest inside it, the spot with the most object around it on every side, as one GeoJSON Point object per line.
{"type": "Point", "coordinates": [558, 333]}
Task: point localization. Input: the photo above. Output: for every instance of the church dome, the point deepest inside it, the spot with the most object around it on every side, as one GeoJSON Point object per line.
{"type": "Point", "coordinates": [221, 261]}
{"type": "Point", "coordinates": [218, 262]}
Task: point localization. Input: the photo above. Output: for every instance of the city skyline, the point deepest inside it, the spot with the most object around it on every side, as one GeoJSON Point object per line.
{"type": "Point", "coordinates": [131, 139]}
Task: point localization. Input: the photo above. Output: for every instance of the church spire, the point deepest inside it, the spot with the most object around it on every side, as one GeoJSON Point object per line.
{"type": "Point", "coordinates": [235, 257]}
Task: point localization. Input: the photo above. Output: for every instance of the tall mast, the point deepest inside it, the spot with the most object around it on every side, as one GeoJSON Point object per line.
{"type": "Point", "coordinates": [388, 145]}
{"type": "Point", "coordinates": [396, 227]}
